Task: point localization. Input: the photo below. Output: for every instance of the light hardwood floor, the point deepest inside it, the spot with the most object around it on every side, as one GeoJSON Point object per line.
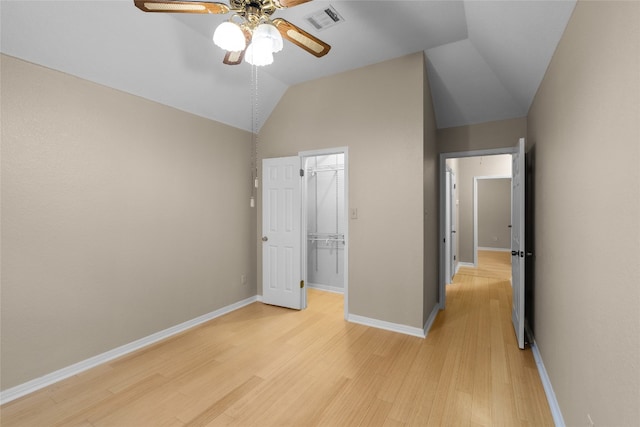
{"type": "Point", "coordinates": [269, 366]}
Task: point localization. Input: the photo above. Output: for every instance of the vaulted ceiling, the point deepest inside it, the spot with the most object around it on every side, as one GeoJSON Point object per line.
{"type": "Point", "coordinates": [485, 59]}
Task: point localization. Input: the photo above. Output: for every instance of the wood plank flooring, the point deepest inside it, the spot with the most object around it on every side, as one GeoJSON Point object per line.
{"type": "Point", "coordinates": [269, 366]}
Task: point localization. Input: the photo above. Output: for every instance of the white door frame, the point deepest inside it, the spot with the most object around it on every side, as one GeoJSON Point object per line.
{"type": "Point", "coordinates": [475, 211]}
{"type": "Point", "coordinates": [303, 235]}
{"type": "Point", "coordinates": [447, 226]}
{"type": "Point", "coordinates": [442, 234]}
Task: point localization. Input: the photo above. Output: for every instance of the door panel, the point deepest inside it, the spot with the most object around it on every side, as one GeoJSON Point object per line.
{"type": "Point", "coordinates": [517, 242]}
{"type": "Point", "coordinates": [453, 237]}
{"type": "Point", "coordinates": [281, 245]}
{"type": "Point", "coordinates": [448, 227]}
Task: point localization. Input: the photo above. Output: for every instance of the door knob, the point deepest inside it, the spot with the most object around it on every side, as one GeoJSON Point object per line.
{"type": "Point", "coordinates": [265, 238]}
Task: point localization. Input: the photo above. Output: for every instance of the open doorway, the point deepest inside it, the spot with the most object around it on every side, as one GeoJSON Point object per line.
{"type": "Point", "coordinates": [458, 207]}
{"type": "Point", "coordinates": [492, 212]}
{"type": "Point", "coordinates": [517, 226]}
{"type": "Point", "coordinates": [325, 221]}
{"type": "Point", "coordinates": [477, 209]}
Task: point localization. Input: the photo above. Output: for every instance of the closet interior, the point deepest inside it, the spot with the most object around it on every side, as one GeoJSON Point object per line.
{"type": "Point", "coordinates": [325, 222]}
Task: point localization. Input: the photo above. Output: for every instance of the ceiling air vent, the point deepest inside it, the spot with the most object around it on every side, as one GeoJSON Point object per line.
{"type": "Point", "coordinates": [325, 18]}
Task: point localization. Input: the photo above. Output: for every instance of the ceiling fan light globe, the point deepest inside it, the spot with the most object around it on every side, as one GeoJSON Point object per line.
{"type": "Point", "coordinates": [259, 53]}
{"type": "Point", "coordinates": [228, 36]}
{"type": "Point", "coordinates": [267, 31]}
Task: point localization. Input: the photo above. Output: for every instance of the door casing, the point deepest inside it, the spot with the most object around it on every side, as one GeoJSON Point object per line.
{"type": "Point", "coordinates": [442, 233]}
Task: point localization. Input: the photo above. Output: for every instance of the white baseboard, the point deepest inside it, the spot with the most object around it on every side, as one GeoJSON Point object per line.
{"type": "Point", "coordinates": [381, 324]}
{"type": "Point", "coordinates": [327, 288]}
{"type": "Point", "coordinates": [546, 383]}
{"type": "Point", "coordinates": [430, 320]}
{"type": "Point", "coordinates": [36, 384]}
{"type": "Point", "coordinates": [494, 249]}
{"type": "Point", "coordinates": [465, 264]}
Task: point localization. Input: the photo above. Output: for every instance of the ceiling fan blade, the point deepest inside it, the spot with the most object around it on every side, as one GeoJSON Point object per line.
{"type": "Point", "coordinates": [280, 4]}
{"type": "Point", "coordinates": [300, 37]}
{"type": "Point", "coordinates": [181, 6]}
{"type": "Point", "coordinates": [234, 58]}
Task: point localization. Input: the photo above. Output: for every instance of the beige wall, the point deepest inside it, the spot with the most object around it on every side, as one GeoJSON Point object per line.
{"type": "Point", "coordinates": [483, 136]}
{"type": "Point", "coordinates": [585, 124]}
{"type": "Point", "coordinates": [377, 112]}
{"type": "Point", "coordinates": [120, 218]}
{"type": "Point", "coordinates": [494, 213]}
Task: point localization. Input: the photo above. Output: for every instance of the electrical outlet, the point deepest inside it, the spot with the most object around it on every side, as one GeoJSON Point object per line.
{"type": "Point", "coordinates": [354, 213]}
{"type": "Point", "coordinates": [590, 422]}
{"type": "Point", "coordinates": [243, 280]}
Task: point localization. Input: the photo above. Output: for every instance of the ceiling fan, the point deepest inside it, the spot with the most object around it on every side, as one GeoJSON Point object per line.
{"type": "Point", "coordinates": [253, 36]}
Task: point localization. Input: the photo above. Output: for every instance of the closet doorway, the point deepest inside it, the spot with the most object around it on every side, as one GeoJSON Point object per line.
{"type": "Point", "coordinates": [325, 220]}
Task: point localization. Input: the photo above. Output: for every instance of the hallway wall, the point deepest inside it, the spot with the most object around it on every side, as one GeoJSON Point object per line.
{"type": "Point", "coordinates": [585, 125]}
{"type": "Point", "coordinates": [482, 136]}
{"type": "Point", "coordinates": [494, 213]}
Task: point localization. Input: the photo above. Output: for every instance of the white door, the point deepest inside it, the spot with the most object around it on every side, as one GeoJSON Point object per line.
{"type": "Point", "coordinates": [450, 225]}
{"type": "Point", "coordinates": [448, 273]}
{"type": "Point", "coordinates": [517, 242]}
{"type": "Point", "coordinates": [281, 233]}
{"type": "Point", "coordinates": [452, 237]}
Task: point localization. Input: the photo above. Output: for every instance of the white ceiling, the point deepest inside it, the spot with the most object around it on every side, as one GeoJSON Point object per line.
{"type": "Point", "coordinates": [486, 59]}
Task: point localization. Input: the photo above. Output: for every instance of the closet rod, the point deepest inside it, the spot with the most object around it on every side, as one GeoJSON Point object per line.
{"type": "Point", "coordinates": [325, 170]}
{"type": "Point", "coordinates": [325, 238]}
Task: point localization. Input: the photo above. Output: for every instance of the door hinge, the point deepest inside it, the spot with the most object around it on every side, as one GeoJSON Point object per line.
{"type": "Point", "coordinates": [301, 172]}
{"type": "Point", "coordinates": [301, 284]}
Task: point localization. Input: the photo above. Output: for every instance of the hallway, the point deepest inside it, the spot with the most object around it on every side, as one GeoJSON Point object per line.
{"type": "Point", "coordinates": [268, 366]}
{"type": "Point", "coordinates": [501, 382]}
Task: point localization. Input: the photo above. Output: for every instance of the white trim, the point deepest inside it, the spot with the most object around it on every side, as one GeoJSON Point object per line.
{"type": "Point", "coordinates": [456, 272]}
{"type": "Point", "coordinates": [432, 318]}
{"type": "Point", "coordinates": [494, 249]}
{"type": "Point", "coordinates": [326, 288]}
{"type": "Point", "coordinates": [465, 264]}
{"type": "Point", "coordinates": [546, 383]}
{"type": "Point", "coordinates": [323, 152]}
{"type": "Point", "coordinates": [36, 384]}
{"type": "Point", "coordinates": [441, 235]}
{"type": "Point", "coordinates": [381, 324]}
